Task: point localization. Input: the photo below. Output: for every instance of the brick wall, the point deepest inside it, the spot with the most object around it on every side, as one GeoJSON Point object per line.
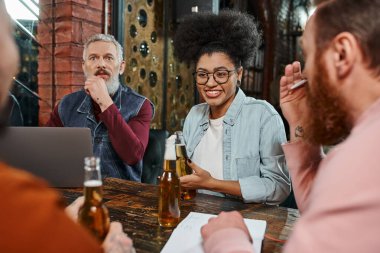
{"type": "Point", "coordinates": [62, 30]}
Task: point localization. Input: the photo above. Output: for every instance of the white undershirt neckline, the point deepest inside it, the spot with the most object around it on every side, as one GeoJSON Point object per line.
{"type": "Point", "coordinates": [209, 152]}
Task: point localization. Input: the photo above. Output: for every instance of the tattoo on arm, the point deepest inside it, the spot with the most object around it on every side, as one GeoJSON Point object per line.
{"type": "Point", "coordinates": [299, 131]}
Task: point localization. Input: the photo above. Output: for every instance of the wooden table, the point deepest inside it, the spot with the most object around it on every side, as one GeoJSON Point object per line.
{"type": "Point", "coordinates": [135, 206]}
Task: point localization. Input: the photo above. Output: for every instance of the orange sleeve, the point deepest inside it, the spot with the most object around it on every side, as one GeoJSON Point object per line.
{"type": "Point", "coordinates": [32, 218]}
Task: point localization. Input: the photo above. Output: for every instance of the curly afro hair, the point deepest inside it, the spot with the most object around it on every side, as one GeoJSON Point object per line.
{"type": "Point", "coordinates": [231, 32]}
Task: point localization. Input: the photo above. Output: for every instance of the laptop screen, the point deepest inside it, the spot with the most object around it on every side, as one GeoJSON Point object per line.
{"type": "Point", "coordinates": [53, 153]}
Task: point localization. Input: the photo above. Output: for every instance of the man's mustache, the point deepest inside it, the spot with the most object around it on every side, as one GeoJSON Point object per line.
{"type": "Point", "coordinates": [102, 72]}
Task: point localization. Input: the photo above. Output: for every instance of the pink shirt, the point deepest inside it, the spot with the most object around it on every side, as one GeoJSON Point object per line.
{"type": "Point", "coordinates": [339, 202]}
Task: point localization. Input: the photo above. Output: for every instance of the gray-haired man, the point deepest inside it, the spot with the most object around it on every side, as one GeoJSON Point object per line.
{"type": "Point", "coordinates": [118, 117]}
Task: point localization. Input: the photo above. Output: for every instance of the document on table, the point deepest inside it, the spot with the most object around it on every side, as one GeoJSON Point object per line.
{"type": "Point", "coordinates": [186, 238]}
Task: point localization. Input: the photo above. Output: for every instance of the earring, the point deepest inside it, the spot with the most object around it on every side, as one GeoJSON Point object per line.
{"type": "Point", "coordinates": [238, 82]}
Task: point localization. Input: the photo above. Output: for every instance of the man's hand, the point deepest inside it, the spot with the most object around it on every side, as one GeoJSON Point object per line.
{"type": "Point", "coordinates": [293, 102]}
{"type": "Point", "coordinates": [97, 89]}
{"type": "Point", "coordinates": [223, 221]}
{"type": "Point", "coordinates": [117, 241]}
{"type": "Point", "coordinates": [73, 208]}
{"type": "Point", "coordinates": [199, 179]}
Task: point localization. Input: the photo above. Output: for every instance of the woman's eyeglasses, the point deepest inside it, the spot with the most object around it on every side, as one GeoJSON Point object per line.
{"type": "Point", "coordinates": [220, 76]}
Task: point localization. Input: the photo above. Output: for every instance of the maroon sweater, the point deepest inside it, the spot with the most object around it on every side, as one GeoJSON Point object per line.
{"type": "Point", "coordinates": [128, 139]}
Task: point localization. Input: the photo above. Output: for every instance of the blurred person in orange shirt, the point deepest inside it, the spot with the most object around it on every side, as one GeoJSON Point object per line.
{"type": "Point", "coordinates": [32, 216]}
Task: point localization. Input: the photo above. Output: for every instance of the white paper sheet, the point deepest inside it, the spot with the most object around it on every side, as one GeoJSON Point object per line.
{"type": "Point", "coordinates": [186, 238]}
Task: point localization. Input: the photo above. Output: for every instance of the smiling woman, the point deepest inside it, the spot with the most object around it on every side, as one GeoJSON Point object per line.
{"type": "Point", "coordinates": [219, 91]}
{"type": "Point", "coordinates": [233, 140]}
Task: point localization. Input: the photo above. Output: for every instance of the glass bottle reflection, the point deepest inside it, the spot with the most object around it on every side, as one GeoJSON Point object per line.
{"type": "Point", "coordinates": [169, 189]}
{"type": "Point", "coordinates": [181, 165]}
{"type": "Point", "coordinates": [93, 215]}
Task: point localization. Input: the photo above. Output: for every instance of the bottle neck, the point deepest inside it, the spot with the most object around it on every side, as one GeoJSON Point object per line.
{"type": "Point", "coordinates": [180, 151]}
{"type": "Point", "coordinates": [92, 180]}
{"type": "Point", "coordinates": [170, 165]}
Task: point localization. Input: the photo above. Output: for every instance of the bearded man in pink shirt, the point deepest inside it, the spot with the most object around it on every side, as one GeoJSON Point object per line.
{"type": "Point", "coordinates": [338, 195]}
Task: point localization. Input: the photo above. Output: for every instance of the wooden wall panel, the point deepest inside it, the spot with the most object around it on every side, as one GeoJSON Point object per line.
{"type": "Point", "coordinates": [144, 53]}
{"type": "Point", "coordinates": [143, 47]}
{"type": "Point", "coordinates": [180, 88]}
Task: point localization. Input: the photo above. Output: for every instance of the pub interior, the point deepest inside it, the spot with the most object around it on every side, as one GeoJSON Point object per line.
{"type": "Point", "coordinates": [50, 37]}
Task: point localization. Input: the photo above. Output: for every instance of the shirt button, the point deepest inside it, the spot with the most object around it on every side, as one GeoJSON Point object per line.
{"type": "Point", "coordinates": [98, 140]}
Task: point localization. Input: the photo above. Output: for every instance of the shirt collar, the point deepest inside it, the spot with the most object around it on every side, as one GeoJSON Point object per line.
{"type": "Point", "coordinates": [235, 108]}
{"type": "Point", "coordinates": [367, 116]}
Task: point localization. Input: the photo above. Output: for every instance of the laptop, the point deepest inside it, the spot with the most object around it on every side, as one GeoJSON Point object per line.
{"type": "Point", "coordinates": [53, 153]}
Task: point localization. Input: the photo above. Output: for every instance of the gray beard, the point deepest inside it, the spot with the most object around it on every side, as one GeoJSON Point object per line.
{"type": "Point", "coordinates": [113, 84]}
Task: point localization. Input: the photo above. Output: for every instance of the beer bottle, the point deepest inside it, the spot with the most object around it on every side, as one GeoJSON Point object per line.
{"type": "Point", "coordinates": [169, 189]}
{"type": "Point", "coordinates": [182, 167]}
{"type": "Point", "coordinates": [93, 215]}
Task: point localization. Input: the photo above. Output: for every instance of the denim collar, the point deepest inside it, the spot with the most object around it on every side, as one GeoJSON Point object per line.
{"type": "Point", "coordinates": [231, 114]}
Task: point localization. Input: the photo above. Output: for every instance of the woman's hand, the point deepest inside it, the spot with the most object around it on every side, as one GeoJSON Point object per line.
{"type": "Point", "coordinates": [200, 179]}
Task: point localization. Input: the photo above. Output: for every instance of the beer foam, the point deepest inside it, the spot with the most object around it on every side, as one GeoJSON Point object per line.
{"type": "Point", "coordinates": [92, 183]}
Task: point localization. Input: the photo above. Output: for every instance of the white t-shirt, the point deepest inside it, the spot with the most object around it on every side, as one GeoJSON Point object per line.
{"type": "Point", "coordinates": [209, 153]}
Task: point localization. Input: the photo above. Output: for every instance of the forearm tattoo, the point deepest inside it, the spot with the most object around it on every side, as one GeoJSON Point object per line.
{"type": "Point", "coordinates": [299, 131]}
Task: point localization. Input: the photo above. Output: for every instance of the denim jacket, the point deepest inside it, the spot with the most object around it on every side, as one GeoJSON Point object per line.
{"type": "Point", "coordinates": [252, 154]}
{"type": "Point", "coordinates": [75, 110]}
